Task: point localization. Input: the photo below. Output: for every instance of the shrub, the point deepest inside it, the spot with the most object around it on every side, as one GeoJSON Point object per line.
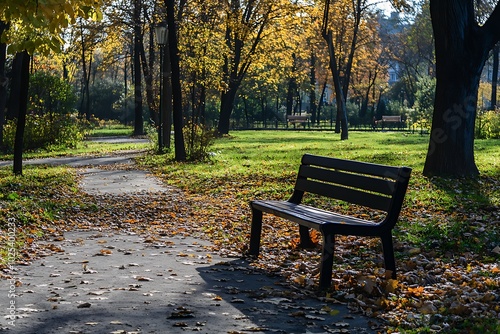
{"type": "Point", "coordinates": [198, 141]}
{"type": "Point", "coordinates": [50, 94]}
{"type": "Point", "coordinates": [424, 104]}
{"type": "Point", "coordinates": [489, 125]}
{"type": "Point", "coordinates": [51, 119]}
{"type": "Point", "coordinates": [45, 131]}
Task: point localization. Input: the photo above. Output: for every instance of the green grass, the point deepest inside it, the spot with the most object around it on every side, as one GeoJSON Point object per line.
{"type": "Point", "coordinates": [34, 201]}
{"type": "Point", "coordinates": [112, 130]}
{"type": "Point", "coordinates": [446, 218]}
{"type": "Point", "coordinates": [89, 147]}
{"type": "Point", "coordinates": [263, 164]}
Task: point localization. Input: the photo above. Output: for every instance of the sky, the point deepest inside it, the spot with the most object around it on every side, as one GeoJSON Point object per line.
{"type": "Point", "coordinates": [384, 5]}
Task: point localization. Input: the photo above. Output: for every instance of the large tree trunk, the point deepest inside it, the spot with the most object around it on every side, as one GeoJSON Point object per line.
{"type": "Point", "coordinates": [180, 149]}
{"type": "Point", "coordinates": [138, 119]}
{"type": "Point", "coordinates": [227, 101]}
{"type": "Point", "coordinates": [24, 59]}
{"type": "Point", "coordinates": [462, 49]}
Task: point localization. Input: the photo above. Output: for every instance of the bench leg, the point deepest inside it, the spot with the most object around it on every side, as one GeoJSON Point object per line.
{"type": "Point", "coordinates": [326, 266]}
{"type": "Point", "coordinates": [390, 263]}
{"type": "Point", "coordinates": [305, 238]}
{"type": "Point", "coordinates": [255, 232]}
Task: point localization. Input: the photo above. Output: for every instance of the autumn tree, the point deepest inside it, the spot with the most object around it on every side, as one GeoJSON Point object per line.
{"type": "Point", "coordinates": [173, 49]}
{"type": "Point", "coordinates": [246, 25]}
{"type": "Point", "coordinates": [342, 22]}
{"type": "Point", "coordinates": [37, 26]}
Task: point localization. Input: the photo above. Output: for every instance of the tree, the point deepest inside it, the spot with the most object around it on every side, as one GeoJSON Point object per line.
{"type": "Point", "coordinates": [138, 122]}
{"type": "Point", "coordinates": [180, 149]}
{"type": "Point", "coordinates": [246, 24]}
{"type": "Point", "coordinates": [462, 47]}
{"type": "Point", "coordinates": [37, 26]}
{"type": "Point", "coordinates": [24, 59]}
{"type": "Point", "coordinates": [409, 43]}
{"type": "Point", "coordinates": [3, 82]}
{"type": "Point", "coordinates": [342, 45]}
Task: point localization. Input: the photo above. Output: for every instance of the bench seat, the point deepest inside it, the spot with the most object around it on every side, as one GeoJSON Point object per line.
{"type": "Point", "coordinates": [314, 218]}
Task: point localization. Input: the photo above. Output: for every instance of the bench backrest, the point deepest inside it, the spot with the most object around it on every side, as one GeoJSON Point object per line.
{"type": "Point", "coordinates": [370, 185]}
{"type": "Point", "coordinates": [391, 118]}
{"type": "Point", "coordinates": [297, 117]}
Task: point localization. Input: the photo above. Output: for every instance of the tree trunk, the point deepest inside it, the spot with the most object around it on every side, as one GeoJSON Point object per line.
{"type": "Point", "coordinates": [320, 104]}
{"type": "Point", "coordinates": [85, 76]}
{"type": "Point", "coordinates": [312, 88]}
{"type": "Point", "coordinates": [227, 101]}
{"type": "Point", "coordinates": [15, 87]}
{"type": "Point", "coordinates": [462, 49]}
{"type": "Point", "coordinates": [138, 119]}
{"type": "Point", "coordinates": [180, 149]}
{"type": "Point", "coordinates": [87, 89]}
{"type": "Point", "coordinates": [494, 78]}
{"type": "Point", "coordinates": [167, 98]}
{"type": "Point", "coordinates": [292, 88]}
{"type": "Point", "coordinates": [339, 94]}
{"type": "Point", "coordinates": [148, 75]}
{"type": "Point", "coordinates": [4, 82]}
{"type": "Point", "coordinates": [24, 59]}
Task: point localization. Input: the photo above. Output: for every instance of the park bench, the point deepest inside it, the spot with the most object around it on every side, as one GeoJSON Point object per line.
{"type": "Point", "coordinates": [386, 119]}
{"type": "Point", "coordinates": [391, 119]}
{"type": "Point", "coordinates": [377, 187]}
{"type": "Point", "coordinates": [298, 119]}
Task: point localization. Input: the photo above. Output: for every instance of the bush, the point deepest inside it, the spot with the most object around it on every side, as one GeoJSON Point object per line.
{"type": "Point", "coordinates": [488, 125]}
{"type": "Point", "coordinates": [198, 141]}
{"type": "Point", "coordinates": [50, 94]}
{"type": "Point", "coordinates": [45, 131]}
{"type": "Point", "coordinates": [424, 104]}
{"type": "Point", "coordinates": [51, 119]}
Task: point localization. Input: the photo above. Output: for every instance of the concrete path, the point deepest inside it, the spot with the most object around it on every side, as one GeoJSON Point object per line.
{"type": "Point", "coordinates": [109, 282]}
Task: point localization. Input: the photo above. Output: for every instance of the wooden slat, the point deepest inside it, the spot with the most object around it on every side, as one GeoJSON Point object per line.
{"type": "Point", "coordinates": [368, 183]}
{"type": "Point", "coordinates": [345, 194]}
{"type": "Point", "coordinates": [307, 213]}
{"type": "Point", "coordinates": [352, 166]}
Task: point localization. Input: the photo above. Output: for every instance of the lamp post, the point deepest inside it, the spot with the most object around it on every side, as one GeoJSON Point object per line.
{"type": "Point", "coordinates": [161, 39]}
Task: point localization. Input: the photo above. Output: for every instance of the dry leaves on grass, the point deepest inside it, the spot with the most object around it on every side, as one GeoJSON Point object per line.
{"type": "Point", "coordinates": [433, 289]}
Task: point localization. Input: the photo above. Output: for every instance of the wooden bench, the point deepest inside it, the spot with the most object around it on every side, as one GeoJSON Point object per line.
{"type": "Point", "coordinates": [298, 119]}
{"type": "Point", "coordinates": [391, 119]}
{"type": "Point", "coordinates": [378, 187]}
{"type": "Point", "coordinates": [385, 120]}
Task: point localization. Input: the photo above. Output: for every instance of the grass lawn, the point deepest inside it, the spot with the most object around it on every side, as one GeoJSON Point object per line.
{"type": "Point", "coordinates": [447, 241]}
{"type": "Point", "coordinates": [448, 229]}
{"type": "Point", "coordinates": [112, 130]}
{"type": "Point", "coordinates": [89, 147]}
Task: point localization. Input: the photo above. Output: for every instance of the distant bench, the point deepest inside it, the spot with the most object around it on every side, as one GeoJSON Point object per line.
{"type": "Point", "coordinates": [378, 187]}
{"type": "Point", "coordinates": [298, 119]}
{"type": "Point", "coordinates": [386, 119]}
{"type": "Point", "coordinates": [391, 119]}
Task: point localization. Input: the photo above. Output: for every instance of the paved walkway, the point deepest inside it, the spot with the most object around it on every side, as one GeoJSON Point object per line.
{"type": "Point", "coordinates": [108, 282]}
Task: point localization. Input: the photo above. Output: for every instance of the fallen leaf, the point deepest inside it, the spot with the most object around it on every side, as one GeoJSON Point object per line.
{"type": "Point", "coordinates": [84, 305]}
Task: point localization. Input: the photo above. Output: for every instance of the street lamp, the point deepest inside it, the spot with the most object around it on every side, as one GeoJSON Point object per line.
{"type": "Point", "coordinates": [161, 38]}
